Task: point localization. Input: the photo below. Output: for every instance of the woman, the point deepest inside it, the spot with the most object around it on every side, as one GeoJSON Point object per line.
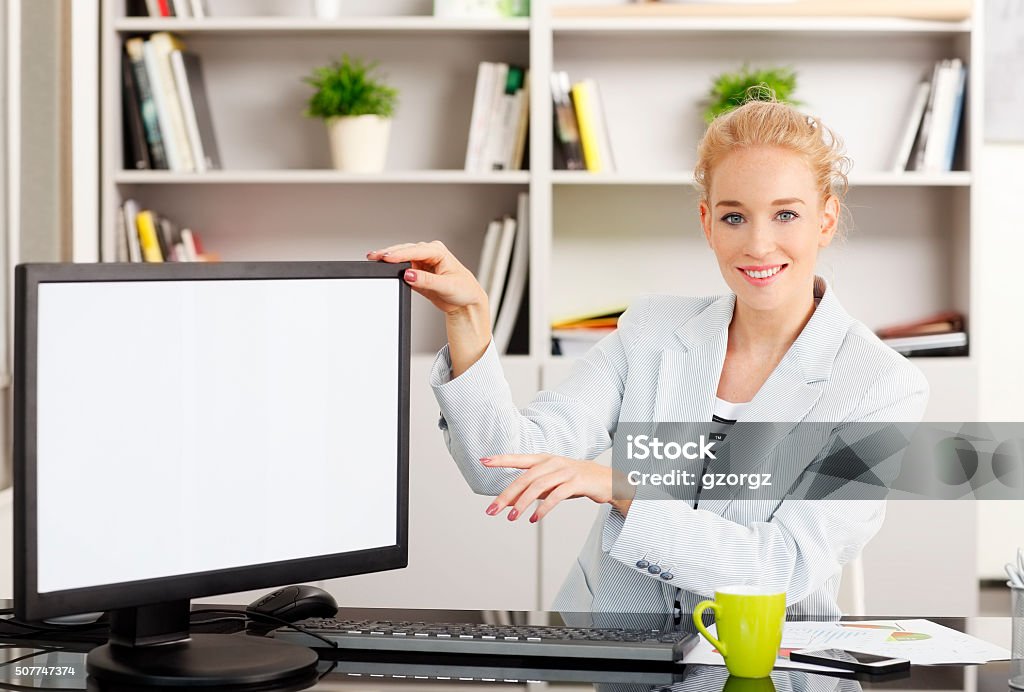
{"type": "Point", "coordinates": [778, 348]}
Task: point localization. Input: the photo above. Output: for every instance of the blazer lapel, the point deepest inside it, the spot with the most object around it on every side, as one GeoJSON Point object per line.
{"type": "Point", "coordinates": [688, 374]}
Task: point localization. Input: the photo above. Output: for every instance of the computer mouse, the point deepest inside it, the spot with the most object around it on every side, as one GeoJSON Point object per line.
{"type": "Point", "coordinates": [294, 603]}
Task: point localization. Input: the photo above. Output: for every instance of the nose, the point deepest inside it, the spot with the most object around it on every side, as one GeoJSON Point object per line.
{"type": "Point", "coordinates": [760, 241]}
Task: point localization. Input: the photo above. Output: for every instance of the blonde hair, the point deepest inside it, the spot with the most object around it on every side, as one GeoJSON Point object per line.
{"type": "Point", "coordinates": [771, 123]}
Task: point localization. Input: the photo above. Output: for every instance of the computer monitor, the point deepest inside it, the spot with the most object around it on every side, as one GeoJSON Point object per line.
{"type": "Point", "coordinates": [187, 430]}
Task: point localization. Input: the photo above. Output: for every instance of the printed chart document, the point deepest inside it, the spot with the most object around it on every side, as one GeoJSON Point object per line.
{"type": "Point", "coordinates": [921, 641]}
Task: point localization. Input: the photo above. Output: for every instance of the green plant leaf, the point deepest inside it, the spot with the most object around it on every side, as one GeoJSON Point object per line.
{"type": "Point", "coordinates": [347, 87]}
{"type": "Point", "coordinates": [730, 89]}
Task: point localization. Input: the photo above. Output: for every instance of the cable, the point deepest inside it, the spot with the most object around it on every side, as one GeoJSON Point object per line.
{"type": "Point", "coordinates": [271, 618]}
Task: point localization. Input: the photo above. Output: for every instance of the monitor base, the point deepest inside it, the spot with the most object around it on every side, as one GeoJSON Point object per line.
{"type": "Point", "coordinates": [223, 661]}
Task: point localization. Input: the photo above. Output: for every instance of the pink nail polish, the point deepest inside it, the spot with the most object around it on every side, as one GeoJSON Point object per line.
{"type": "Point", "coordinates": [485, 461]}
{"type": "Point", "coordinates": [410, 275]}
{"type": "Point", "coordinates": [533, 519]}
{"type": "Point", "coordinates": [513, 515]}
{"type": "Point", "coordinates": [493, 509]}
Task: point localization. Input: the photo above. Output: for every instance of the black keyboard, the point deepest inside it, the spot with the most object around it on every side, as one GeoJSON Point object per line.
{"type": "Point", "coordinates": [496, 640]}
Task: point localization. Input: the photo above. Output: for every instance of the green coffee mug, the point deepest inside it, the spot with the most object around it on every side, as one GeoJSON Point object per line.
{"type": "Point", "coordinates": [749, 623]}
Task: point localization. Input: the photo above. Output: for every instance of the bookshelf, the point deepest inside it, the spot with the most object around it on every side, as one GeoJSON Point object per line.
{"type": "Point", "coordinates": [595, 239]}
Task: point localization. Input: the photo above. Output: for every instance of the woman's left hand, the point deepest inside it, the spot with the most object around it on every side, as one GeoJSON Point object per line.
{"type": "Point", "coordinates": [551, 479]}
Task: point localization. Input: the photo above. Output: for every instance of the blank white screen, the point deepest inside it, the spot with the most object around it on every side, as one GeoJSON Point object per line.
{"type": "Point", "coordinates": [188, 426]}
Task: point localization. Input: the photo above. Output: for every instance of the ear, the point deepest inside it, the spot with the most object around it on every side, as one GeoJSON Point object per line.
{"type": "Point", "coordinates": [705, 220]}
{"type": "Point", "coordinates": [829, 221]}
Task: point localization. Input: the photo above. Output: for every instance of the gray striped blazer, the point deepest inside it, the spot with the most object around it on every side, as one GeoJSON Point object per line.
{"type": "Point", "coordinates": [663, 363]}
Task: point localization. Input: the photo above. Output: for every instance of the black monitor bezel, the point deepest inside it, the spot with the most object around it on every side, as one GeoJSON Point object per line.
{"type": "Point", "coordinates": [29, 603]}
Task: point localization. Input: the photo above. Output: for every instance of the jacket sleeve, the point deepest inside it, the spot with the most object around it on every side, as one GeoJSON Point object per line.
{"type": "Point", "coordinates": [577, 419]}
{"type": "Point", "coordinates": [806, 541]}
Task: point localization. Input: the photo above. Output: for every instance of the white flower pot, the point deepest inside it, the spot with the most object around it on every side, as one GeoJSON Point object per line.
{"type": "Point", "coordinates": [359, 143]}
{"type": "Point", "coordinates": [327, 9]}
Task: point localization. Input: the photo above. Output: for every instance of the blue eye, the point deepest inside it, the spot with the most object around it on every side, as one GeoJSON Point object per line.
{"type": "Point", "coordinates": [792, 215]}
{"type": "Point", "coordinates": [727, 218]}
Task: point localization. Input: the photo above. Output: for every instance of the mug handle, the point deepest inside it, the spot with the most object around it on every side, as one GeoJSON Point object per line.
{"type": "Point", "coordinates": [697, 612]}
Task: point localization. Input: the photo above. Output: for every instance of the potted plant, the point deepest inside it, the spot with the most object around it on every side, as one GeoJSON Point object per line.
{"type": "Point", "coordinates": [731, 89]}
{"type": "Point", "coordinates": [357, 109]}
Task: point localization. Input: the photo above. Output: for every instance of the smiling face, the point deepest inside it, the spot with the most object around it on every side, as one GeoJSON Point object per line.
{"type": "Point", "coordinates": [765, 222]}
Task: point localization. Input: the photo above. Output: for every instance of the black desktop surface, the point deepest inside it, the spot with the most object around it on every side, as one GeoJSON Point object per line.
{"type": "Point", "coordinates": [58, 662]}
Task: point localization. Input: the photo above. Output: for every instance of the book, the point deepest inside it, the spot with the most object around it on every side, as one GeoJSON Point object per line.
{"type": "Point", "coordinates": [188, 244]}
{"type": "Point", "coordinates": [937, 323]}
{"type": "Point", "coordinates": [593, 132]}
{"type": "Point", "coordinates": [200, 9]}
{"type": "Point", "coordinates": [523, 127]}
{"type": "Point", "coordinates": [136, 8]}
{"type": "Point", "coordinates": [147, 106]}
{"type": "Point", "coordinates": [491, 157]}
{"type": "Point", "coordinates": [575, 343]}
{"type": "Point", "coordinates": [486, 266]}
{"type": "Point", "coordinates": [502, 133]}
{"type": "Point", "coordinates": [130, 212]}
{"type": "Point", "coordinates": [182, 8]}
{"type": "Point", "coordinates": [601, 317]}
{"type": "Point", "coordinates": [948, 88]}
{"type": "Point", "coordinates": [135, 148]}
{"type": "Point", "coordinates": [567, 136]}
{"type": "Point", "coordinates": [906, 145]}
{"type": "Point", "coordinates": [958, 108]}
{"type": "Point", "coordinates": [949, 344]}
{"type": "Point", "coordinates": [485, 76]}
{"type": "Point", "coordinates": [502, 255]}
{"type": "Point", "coordinates": [515, 288]}
{"type": "Point", "coordinates": [926, 120]}
{"type": "Point", "coordinates": [158, 50]}
{"type": "Point", "coordinates": [121, 238]}
{"type": "Point", "coordinates": [188, 77]}
{"type": "Point", "coordinates": [148, 237]}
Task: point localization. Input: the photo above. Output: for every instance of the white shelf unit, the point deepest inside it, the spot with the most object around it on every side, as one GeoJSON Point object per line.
{"type": "Point", "coordinates": [595, 239]}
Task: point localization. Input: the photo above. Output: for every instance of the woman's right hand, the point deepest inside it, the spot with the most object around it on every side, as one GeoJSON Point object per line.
{"type": "Point", "coordinates": [440, 278]}
{"type": "Point", "coordinates": [436, 275]}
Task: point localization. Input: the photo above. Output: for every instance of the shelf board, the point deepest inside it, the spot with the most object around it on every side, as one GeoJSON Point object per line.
{"type": "Point", "coordinates": [858, 26]}
{"type": "Point", "coordinates": [873, 179]}
{"type": "Point", "coordinates": [310, 25]}
{"type": "Point", "coordinates": [325, 176]}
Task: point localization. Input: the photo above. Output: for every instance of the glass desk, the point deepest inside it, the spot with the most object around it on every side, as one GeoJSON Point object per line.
{"type": "Point", "coordinates": [58, 663]}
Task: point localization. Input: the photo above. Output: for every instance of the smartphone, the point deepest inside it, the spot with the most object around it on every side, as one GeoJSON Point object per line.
{"type": "Point", "coordinates": [852, 660]}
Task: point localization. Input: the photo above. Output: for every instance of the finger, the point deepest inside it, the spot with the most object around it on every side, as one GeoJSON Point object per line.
{"type": "Point", "coordinates": [562, 492]}
{"type": "Point", "coordinates": [434, 252]}
{"type": "Point", "coordinates": [429, 284]}
{"type": "Point", "coordinates": [388, 250]}
{"type": "Point", "coordinates": [514, 489]}
{"type": "Point", "coordinates": [514, 461]}
{"type": "Point", "coordinates": [545, 484]}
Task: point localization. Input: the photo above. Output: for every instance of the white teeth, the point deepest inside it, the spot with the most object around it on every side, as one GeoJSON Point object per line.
{"type": "Point", "coordinates": [763, 274]}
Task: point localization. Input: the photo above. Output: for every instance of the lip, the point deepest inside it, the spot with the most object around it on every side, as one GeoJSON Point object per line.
{"type": "Point", "coordinates": [762, 267]}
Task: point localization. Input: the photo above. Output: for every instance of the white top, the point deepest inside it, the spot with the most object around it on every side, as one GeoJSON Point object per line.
{"type": "Point", "coordinates": [727, 410]}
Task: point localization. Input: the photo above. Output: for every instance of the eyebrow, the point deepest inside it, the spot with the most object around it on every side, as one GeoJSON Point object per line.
{"type": "Point", "coordinates": [734, 203]}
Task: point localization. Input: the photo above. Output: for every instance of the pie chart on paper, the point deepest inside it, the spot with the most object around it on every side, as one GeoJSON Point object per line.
{"type": "Point", "coordinates": [908, 637]}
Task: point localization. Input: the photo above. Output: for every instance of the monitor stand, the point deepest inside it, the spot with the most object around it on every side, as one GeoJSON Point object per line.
{"type": "Point", "coordinates": [151, 646]}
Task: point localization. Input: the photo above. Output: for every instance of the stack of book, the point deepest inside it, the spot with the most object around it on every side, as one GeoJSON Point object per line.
{"type": "Point", "coordinates": [930, 135]}
{"type": "Point", "coordinates": [167, 123]}
{"type": "Point", "coordinates": [941, 334]}
{"type": "Point", "coordinates": [498, 127]}
{"type": "Point", "coordinates": [503, 272]}
{"type": "Point", "coordinates": [574, 336]}
{"type": "Point", "coordinates": [581, 130]}
{"type": "Point", "coordinates": [145, 236]}
{"type": "Point", "coordinates": [186, 9]}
